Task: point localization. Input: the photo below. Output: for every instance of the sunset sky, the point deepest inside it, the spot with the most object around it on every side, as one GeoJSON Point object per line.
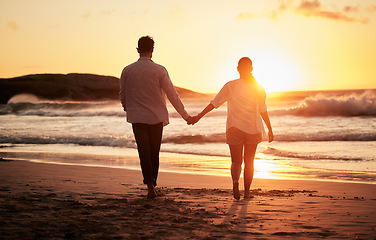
{"type": "Point", "coordinates": [295, 45]}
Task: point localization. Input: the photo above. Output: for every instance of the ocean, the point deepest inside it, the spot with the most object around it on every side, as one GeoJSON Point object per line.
{"type": "Point", "coordinates": [319, 135]}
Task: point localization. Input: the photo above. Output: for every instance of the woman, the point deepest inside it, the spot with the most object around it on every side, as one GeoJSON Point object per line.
{"type": "Point", "coordinates": [244, 128]}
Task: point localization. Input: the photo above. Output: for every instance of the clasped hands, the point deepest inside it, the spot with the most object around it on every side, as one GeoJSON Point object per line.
{"type": "Point", "coordinates": [192, 120]}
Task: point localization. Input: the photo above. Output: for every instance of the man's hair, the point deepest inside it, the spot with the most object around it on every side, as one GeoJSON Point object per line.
{"type": "Point", "coordinates": [145, 44]}
{"type": "Point", "coordinates": [245, 63]}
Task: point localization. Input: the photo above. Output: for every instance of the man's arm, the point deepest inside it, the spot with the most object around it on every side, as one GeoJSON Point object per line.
{"type": "Point", "coordinates": [122, 90]}
{"type": "Point", "coordinates": [173, 96]}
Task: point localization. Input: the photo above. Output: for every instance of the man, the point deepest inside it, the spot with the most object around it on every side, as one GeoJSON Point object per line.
{"type": "Point", "coordinates": [142, 88]}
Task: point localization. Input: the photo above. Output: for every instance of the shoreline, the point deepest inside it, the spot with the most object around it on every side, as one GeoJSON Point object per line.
{"type": "Point", "coordinates": [137, 168]}
{"type": "Point", "coordinates": [128, 159]}
{"type": "Point", "coordinates": [189, 179]}
{"type": "Point", "coordinates": [66, 201]}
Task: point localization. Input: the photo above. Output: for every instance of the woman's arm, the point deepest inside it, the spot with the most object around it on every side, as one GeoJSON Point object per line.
{"type": "Point", "coordinates": [205, 111]}
{"type": "Point", "coordinates": [219, 99]}
{"type": "Point", "coordinates": [196, 118]}
{"type": "Point", "coordinates": [265, 117]}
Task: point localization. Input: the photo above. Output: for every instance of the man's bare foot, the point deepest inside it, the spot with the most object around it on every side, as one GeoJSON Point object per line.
{"type": "Point", "coordinates": [235, 189]}
{"type": "Point", "coordinates": [151, 191]}
{"type": "Point", "coordinates": [152, 195]}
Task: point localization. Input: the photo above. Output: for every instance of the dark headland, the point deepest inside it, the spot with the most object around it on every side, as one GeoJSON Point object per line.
{"type": "Point", "coordinates": [72, 86]}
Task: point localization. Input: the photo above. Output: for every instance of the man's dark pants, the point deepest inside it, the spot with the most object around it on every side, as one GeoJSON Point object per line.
{"type": "Point", "coordinates": [148, 139]}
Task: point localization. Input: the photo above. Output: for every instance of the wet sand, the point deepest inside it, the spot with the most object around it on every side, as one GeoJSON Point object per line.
{"type": "Point", "coordinates": [51, 201]}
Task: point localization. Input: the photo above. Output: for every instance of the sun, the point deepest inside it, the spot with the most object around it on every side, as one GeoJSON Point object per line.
{"type": "Point", "coordinates": [275, 72]}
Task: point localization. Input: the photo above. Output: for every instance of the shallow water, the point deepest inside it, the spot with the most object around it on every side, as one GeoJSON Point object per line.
{"type": "Point", "coordinates": [336, 141]}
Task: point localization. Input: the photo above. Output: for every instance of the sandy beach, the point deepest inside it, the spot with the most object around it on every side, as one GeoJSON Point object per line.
{"type": "Point", "coordinates": [51, 201]}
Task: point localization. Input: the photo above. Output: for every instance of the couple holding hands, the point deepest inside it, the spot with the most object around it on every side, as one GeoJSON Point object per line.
{"type": "Point", "coordinates": [142, 88]}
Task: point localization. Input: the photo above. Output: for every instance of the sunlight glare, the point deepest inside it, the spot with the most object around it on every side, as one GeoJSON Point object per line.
{"type": "Point", "coordinates": [263, 168]}
{"type": "Point", "coordinates": [274, 72]}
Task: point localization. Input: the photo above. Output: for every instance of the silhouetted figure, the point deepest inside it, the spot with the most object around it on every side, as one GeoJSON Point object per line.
{"type": "Point", "coordinates": [142, 88]}
{"type": "Point", "coordinates": [244, 128]}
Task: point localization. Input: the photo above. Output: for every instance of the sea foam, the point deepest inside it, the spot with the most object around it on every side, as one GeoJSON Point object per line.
{"type": "Point", "coordinates": [346, 106]}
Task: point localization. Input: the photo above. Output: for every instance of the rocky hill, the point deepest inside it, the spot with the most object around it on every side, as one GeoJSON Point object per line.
{"type": "Point", "coordinates": [72, 86]}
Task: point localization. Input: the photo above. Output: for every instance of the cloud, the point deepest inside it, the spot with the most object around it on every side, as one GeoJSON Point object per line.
{"type": "Point", "coordinates": [351, 9]}
{"type": "Point", "coordinates": [314, 9]}
{"type": "Point", "coordinates": [272, 14]}
{"type": "Point", "coordinates": [107, 12]}
{"type": "Point", "coordinates": [245, 15]}
{"type": "Point", "coordinates": [284, 5]}
{"type": "Point", "coordinates": [87, 15]}
{"type": "Point", "coordinates": [13, 25]}
{"type": "Point", "coordinates": [249, 15]}
{"type": "Point", "coordinates": [371, 8]}
{"type": "Point", "coordinates": [309, 6]}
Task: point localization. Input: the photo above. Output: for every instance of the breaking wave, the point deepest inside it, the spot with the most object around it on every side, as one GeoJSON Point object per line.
{"type": "Point", "coordinates": [327, 137]}
{"type": "Point", "coordinates": [181, 139]}
{"type": "Point", "coordinates": [293, 137]}
{"type": "Point", "coordinates": [321, 104]}
{"type": "Point", "coordinates": [83, 141]}
{"type": "Point", "coordinates": [347, 106]}
{"type": "Point", "coordinates": [199, 138]}
{"type": "Point", "coordinates": [61, 109]}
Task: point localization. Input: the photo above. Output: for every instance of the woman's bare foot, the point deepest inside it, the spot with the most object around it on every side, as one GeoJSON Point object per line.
{"type": "Point", "coordinates": [247, 194]}
{"type": "Point", "coordinates": [235, 189]}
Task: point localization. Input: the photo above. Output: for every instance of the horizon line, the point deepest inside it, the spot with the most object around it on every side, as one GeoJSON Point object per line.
{"type": "Point", "coordinates": [271, 92]}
